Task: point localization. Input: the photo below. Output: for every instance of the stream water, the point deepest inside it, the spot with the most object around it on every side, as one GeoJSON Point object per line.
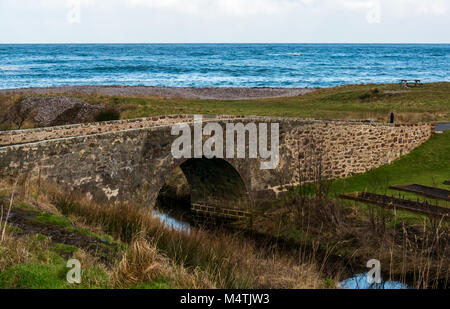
{"type": "Point", "coordinates": [360, 282]}
{"type": "Point", "coordinates": [172, 222]}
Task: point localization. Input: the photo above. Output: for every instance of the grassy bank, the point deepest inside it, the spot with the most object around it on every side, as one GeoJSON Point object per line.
{"type": "Point", "coordinates": [301, 242]}
{"type": "Point", "coordinates": [429, 164]}
{"type": "Point", "coordinates": [124, 246]}
{"type": "Point", "coordinates": [345, 237]}
{"type": "Point", "coordinates": [429, 102]}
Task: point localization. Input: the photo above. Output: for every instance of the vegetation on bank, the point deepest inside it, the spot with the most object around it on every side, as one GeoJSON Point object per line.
{"type": "Point", "coordinates": [49, 226]}
{"type": "Point", "coordinates": [412, 248]}
{"type": "Point", "coordinates": [302, 241]}
{"type": "Point", "coordinates": [429, 102]}
{"type": "Point", "coordinates": [343, 237]}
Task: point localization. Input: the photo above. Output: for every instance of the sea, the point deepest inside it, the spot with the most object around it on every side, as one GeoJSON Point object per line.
{"type": "Point", "coordinates": [220, 65]}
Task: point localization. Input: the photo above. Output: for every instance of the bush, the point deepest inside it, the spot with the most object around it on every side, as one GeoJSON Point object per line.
{"type": "Point", "coordinates": [108, 114]}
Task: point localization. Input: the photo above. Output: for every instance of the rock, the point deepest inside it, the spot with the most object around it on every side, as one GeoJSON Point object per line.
{"type": "Point", "coordinates": [50, 111]}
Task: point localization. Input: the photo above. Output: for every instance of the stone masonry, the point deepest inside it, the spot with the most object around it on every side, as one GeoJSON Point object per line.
{"type": "Point", "coordinates": [123, 160]}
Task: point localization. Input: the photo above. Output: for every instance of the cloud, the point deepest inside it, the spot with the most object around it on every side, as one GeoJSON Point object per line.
{"type": "Point", "coordinates": [432, 7]}
{"type": "Point", "coordinates": [44, 4]}
{"type": "Point", "coordinates": [223, 7]}
{"type": "Point", "coordinates": [74, 14]}
{"type": "Point", "coordinates": [372, 8]}
{"type": "Point", "coordinates": [211, 8]}
{"type": "Point", "coordinates": [224, 20]}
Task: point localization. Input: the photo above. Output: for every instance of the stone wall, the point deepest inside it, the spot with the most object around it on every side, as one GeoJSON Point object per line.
{"type": "Point", "coordinates": [344, 148]}
{"type": "Point", "coordinates": [134, 163]}
{"type": "Point", "coordinates": [14, 137]}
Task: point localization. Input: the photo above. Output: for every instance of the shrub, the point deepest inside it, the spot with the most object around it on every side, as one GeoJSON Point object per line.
{"type": "Point", "coordinates": [108, 114]}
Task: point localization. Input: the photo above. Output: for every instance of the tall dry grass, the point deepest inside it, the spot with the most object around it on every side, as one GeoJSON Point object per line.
{"type": "Point", "coordinates": [327, 230]}
{"type": "Point", "coordinates": [415, 254]}
{"type": "Point", "coordinates": [204, 258]}
{"type": "Point", "coordinates": [143, 262]}
{"type": "Point", "coordinates": [5, 211]}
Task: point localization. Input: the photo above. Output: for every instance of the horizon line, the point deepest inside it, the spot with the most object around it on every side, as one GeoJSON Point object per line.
{"type": "Point", "coordinates": [280, 43]}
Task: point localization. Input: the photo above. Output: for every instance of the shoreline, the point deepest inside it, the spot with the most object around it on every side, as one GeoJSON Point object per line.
{"type": "Point", "coordinates": [206, 93]}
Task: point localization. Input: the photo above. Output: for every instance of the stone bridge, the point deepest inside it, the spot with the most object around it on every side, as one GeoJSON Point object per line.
{"type": "Point", "coordinates": [131, 159]}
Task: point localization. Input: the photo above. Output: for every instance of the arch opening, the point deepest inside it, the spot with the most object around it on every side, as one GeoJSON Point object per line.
{"type": "Point", "coordinates": [200, 188]}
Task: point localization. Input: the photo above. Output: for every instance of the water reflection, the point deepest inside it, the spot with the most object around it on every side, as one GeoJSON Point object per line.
{"type": "Point", "coordinates": [173, 223]}
{"type": "Point", "coordinates": [360, 282]}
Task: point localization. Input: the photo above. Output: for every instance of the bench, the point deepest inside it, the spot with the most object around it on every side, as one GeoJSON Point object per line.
{"type": "Point", "coordinates": [410, 82]}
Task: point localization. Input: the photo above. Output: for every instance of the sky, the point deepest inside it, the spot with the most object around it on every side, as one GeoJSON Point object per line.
{"type": "Point", "coordinates": [224, 21]}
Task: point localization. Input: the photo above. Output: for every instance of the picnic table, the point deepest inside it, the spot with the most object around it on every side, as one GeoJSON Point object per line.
{"type": "Point", "coordinates": [410, 82]}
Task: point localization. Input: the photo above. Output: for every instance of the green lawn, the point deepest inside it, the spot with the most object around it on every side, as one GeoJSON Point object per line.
{"type": "Point", "coordinates": [429, 102]}
{"type": "Point", "coordinates": [49, 276]}
{"type": "Point", "coordinates": [429, 164]}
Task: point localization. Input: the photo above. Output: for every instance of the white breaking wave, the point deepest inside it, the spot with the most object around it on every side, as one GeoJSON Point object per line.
{"type": "Point", "coordinates": [287, 54]}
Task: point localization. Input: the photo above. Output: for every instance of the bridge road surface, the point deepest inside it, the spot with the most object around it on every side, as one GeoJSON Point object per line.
{"type": "Point", "coordinates": [442, 127]}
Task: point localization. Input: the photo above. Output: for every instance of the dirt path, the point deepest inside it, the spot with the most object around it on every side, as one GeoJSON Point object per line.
{"type": "Point", "coordinates": [28, 225]}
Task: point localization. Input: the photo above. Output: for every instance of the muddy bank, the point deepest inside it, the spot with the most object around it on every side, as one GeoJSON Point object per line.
{"type": "Point", "coordinates": [28, 223]}
{"type": "Point", "coordinates": [210, 93]}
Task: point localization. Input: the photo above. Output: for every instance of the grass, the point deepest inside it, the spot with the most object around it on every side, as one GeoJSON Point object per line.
{"type": "Point", "coordinates": [430, 102]}
{"type": "Point", "coordinates": [28, 207]}
{"type": "Point", "coordinates": [44, 276]}
{"type": "Point", "coordinates": [52, 219]}
{"type": "Point", "coordinates": [89, 233]}
{"type": "Point", "coordinates": [345, 237]}
{"type": "Point", "coordinates": [11, 229]}
{"type": "Point", "coordinates": [150, 255]}
{"type": "Point", "coordinates": [33, 262]}
{"type": "Point", "coordinates": [219, 259]}
{"type": "Point", "coordinates": [428, 164]}
{"type": "Point", "coordinates": [414, 247]}
{"type": "Point", "coordinates": [155, 257]}
{"type": "Point", "coordinates": [32, 276]}
{"type": "Point", "coordinates": [328, 237]}
{"type": "Point", "coordinates": [155, 285]}
{"type": "Point", "coordinates": [63, 248]}
{"type": "Point", "coordinates": [108, 115]}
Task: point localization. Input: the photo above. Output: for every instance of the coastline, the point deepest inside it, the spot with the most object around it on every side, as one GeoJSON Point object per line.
{"type": "Point", "coordinates": [207, 93]}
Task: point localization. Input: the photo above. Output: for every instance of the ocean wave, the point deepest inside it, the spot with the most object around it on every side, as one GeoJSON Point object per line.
{"type": "Point", "coordinates": [271, 65]}
{"type": "Point", "coordinates": [14, 67]}
{"type": "Point", "coordinates": [288, 54]}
